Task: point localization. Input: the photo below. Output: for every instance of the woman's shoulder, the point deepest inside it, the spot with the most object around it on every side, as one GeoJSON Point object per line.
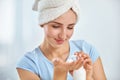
{"type": "Point", "coordinates": [28, 56]}
{"type": "Point", "coordinates": [28, 61]}
{"type": "Point", "coordinates": [32, 53]}
{"type": "Point", "coordinates": [80, 43]}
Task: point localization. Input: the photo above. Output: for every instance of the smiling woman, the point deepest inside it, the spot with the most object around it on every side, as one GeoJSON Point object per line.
{"type": "Point", "coordinates": [60, 29]}
{"type": "Point", "coordinates": [49, 61]}
{"type": "Point", "coordinates": [19, 32]}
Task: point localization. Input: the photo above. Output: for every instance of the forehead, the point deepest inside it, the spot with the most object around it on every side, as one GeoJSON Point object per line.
{"type": "Point", "coordinates": [68, 17]}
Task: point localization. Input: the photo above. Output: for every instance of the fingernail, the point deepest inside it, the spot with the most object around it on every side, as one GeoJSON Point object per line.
{"type": "Point", "coordinates": [80, 55]}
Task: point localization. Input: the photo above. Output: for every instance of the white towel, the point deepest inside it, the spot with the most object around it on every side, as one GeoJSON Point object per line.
{"type": "Point", "coordinates": [52, 9]}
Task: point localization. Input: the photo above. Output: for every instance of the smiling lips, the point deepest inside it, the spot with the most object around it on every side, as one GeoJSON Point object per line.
{"type": "Point", "coordinates": [59, 41]}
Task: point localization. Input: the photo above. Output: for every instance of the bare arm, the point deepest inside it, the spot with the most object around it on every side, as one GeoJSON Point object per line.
{"type": "Point", "coordinates": [60, 70]}
{"type": "Point", "coordinates": [98, 71]}
{"type": "Point", "coordinates": [26, 75]}
{"type": "Point", "coordinates": [60, 75]}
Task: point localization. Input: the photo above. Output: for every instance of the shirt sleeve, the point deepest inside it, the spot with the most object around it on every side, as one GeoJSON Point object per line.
{"type": "Point", "coordinates": [27, 62]}
{"type": "Point", "coordinates": [91, 51]}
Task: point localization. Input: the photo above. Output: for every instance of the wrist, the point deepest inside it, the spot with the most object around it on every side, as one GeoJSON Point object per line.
{"type": "Point", "coordinates": [89, 73]}
{"type": "Point", "coordinates": [89, 78]}
{"type": "Point", "coordinates": [60, 75]}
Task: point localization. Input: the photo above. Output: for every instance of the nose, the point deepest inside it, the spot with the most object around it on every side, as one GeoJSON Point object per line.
{"type": "Point", "coordinates": [62, 34]}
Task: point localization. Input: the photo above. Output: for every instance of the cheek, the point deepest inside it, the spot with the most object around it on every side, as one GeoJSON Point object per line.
{"type": "Point", "coordinates": [51, 33]}
{"type": "Point", "coordinates": [70, 33]}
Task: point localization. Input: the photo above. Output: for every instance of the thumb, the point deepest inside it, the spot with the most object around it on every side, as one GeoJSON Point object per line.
{"type": "Point", "coordinates": [55, 61]}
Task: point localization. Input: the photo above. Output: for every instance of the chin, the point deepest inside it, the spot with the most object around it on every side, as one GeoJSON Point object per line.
{"type": "Point", "coordinates": [56, 45]}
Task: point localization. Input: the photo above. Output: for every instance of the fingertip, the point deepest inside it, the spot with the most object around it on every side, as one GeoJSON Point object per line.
{"type": "Point", "coordinates": [76, 53]}
{"type": "Point", "coordinates": [55, 61]}
{"type": "Point", "coordinates": [82, 52]}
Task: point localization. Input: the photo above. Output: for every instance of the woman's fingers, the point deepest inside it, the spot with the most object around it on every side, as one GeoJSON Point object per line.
{"type": "Point", "coordinates": [79, 63]}
{"type": "Point", "coordinates": [82, 59]}
{"type": "Point", "coordinates": [87, 63]}
{"type": "Point", "coordinates": [60, 65]}
{"type": "Point", "coordinates": [55, 61]}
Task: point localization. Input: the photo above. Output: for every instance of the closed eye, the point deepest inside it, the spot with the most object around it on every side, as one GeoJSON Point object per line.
{"type": "Point", "coordinates": [55, 26]}
{"type": "Point", "coordinates": [70, 27]}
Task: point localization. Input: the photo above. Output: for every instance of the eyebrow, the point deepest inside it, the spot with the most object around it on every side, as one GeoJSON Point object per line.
{"type": "Point", "coordinates": [60, 23]}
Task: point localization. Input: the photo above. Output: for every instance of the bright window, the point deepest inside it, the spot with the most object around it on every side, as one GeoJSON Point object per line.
{"type": "Point", "coordinates": [7, 17]}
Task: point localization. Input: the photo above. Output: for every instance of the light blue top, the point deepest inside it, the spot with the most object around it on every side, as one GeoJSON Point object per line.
{"type": "Point", "coordinates": [37, 63]}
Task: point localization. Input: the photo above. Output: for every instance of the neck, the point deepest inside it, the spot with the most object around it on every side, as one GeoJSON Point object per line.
{"type": "Point", "coordinates": [51, 52]}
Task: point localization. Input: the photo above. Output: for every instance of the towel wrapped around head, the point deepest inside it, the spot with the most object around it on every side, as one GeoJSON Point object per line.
{"type": "Point", "coordinates": [52, 9]}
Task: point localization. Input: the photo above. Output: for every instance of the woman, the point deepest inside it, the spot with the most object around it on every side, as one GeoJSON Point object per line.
{"type": "Point", "coordinates": [49, 61]}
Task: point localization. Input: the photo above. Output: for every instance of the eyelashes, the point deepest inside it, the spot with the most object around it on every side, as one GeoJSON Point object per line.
{"type": "Point", "coordinates": [69, 27]}
{"type": "Point", "coordinates": [55, 26]}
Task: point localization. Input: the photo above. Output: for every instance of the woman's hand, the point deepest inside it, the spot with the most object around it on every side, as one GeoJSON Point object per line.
{"type": "Point", "coordinates": [88, 66]}
{"type": "Point", "coordinates": [61, 68]}
{"type": "Point", "coordinates": [86, 63]}
{"type": "Point", "coordinates": [82, 59]}
{"type": "Point", "coordinates": [70, 65]}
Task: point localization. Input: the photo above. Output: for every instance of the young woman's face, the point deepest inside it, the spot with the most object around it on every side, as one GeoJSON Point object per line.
{"type": "Point", "coordinates": [60, 30]}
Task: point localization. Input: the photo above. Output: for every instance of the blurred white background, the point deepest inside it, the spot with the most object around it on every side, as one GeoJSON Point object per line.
{"type": "Point", "coordinates": [19, 32]}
